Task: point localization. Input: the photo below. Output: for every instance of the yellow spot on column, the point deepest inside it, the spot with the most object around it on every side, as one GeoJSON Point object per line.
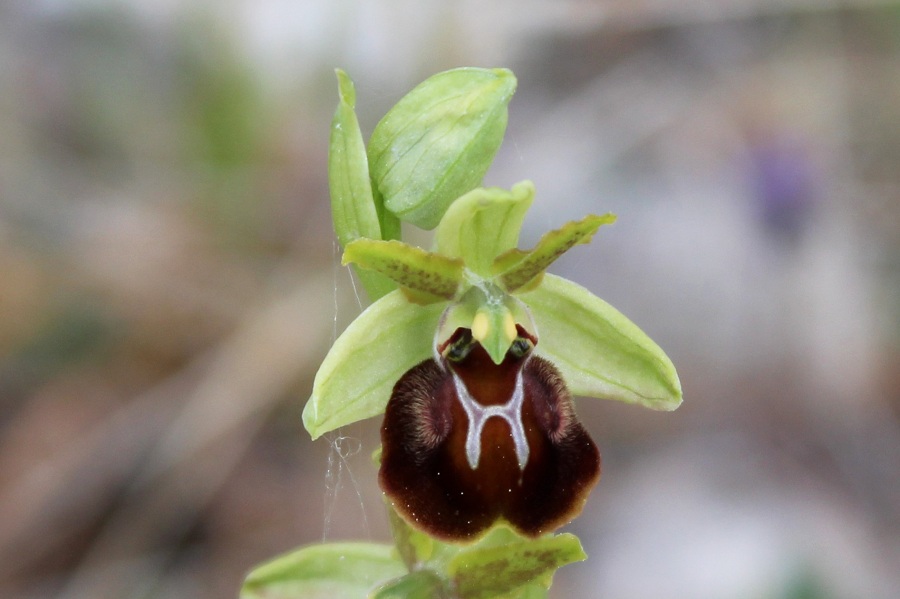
{"type": "Point", "coordinates": [481, 326]}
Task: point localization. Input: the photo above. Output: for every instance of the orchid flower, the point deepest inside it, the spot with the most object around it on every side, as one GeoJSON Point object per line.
{"type": "Point", "coordinates": [475, 357]}
{"type": "Point", "coordinates": [470, 350]}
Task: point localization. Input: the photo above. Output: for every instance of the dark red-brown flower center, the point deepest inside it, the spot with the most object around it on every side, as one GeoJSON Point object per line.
{"type": "Point", "coordinates": [467, 442]}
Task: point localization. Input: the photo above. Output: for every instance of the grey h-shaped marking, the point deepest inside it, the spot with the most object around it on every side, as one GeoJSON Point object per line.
{"type": "Point", "coordinates": [478, 414]}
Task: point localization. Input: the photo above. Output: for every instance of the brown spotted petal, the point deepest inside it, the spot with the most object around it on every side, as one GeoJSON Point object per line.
{"type": "Point", "coordinates": [467, 443]}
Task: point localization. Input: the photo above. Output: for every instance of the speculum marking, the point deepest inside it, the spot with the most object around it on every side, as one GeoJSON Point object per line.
{"type": "Point", "coordinates": [478, 415]}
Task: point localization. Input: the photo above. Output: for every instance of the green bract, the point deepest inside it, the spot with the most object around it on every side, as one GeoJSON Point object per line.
{"type": "Point", "coordinates": [438, 141]}
{"type": "Point", "coordinates": [477, 277]}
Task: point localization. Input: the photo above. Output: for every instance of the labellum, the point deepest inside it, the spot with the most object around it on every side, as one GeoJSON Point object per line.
{"type": "Point", "coordinates": [468, 443]}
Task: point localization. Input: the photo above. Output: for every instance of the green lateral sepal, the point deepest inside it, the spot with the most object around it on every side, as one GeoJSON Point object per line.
{"type": "Point", "coordinates": [599, 352]}
{"type": "Point", "coordinates": [358, 374]}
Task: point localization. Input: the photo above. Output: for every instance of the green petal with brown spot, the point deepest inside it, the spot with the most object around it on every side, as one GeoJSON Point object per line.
{"type": "Point", "coordinates": [516, 269]}
{"type": "Point", "coordinates": [432, 277]}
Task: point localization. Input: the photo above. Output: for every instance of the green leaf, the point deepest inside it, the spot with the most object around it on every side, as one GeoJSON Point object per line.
{"type": "Point", "coordinates": [431, 275]}
{"type": "Point", "coordinates": [598, 350]}
{"type": "Point", "coordinates": [423, 584]}
{"type": "Point", "coordinates": [507, 570]}
{"type": "Point", "coordinates": [483, 224]}
{"type": "Point", "coordinates": [333, 571]}
{"type": "Point", "coordinates": [516, 269]}
{"type": "Point", "coordinates": [354, 210]}
{"type": "Point", "coordinates": [358, 374]}
{"type": "Point", "coordinates": [438, 141]}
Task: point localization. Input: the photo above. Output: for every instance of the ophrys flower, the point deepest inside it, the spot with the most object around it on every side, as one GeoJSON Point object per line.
{"type": "Point", "coordinates": [475, 357]}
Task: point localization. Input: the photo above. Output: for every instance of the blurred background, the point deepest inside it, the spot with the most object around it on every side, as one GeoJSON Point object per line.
{"type": "Point", "coordinates": [169, 281]}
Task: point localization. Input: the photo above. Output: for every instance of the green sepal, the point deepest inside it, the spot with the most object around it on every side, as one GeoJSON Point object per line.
{"type": "Point", "coordinates": [423, 584]}
{"type": "Point", "coordinates": [438, 141]}
{"type": "Point", "coordinates": [507, 570]}
{"type": "Point", "coordinates": [354, 209]}
{"type": "Point", "coordinates": [338, 570]}
{"type": "Point", "coordinates": [358, 374]}
{"type": "Point", "coordinates": [483, 224]}
{"type": "Point", "coordinates": [515, 269]}
{"type": "Point", "coordinates": [599, 352]}
{"type": "Point", "coordinates": [428, 274]}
